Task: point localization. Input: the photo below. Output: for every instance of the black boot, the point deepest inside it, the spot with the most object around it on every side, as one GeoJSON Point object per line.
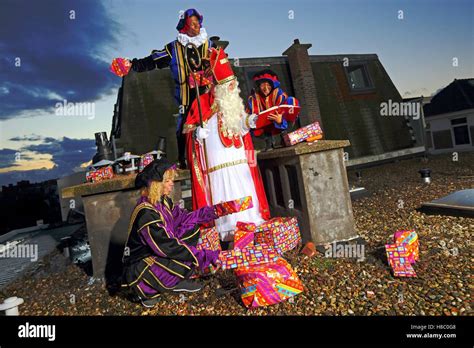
{"type": "Point", "coordinates": [268, 143]}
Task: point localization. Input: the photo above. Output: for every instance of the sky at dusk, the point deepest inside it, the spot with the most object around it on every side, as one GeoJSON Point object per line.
{"type": "Point", "coordinates": [46, 57]}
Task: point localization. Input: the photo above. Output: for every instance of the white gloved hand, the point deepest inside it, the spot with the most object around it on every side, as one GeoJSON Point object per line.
{"type": "Point", "coordinates": [248, 121]}
{"type": "Point", "coordinates": [253, 120]}
{"type": "Point", "coordinates": [202, 133]}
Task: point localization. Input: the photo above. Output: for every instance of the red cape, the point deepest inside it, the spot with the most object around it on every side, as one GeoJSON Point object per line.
{"type": "Point", "coordinates": [196, 162]}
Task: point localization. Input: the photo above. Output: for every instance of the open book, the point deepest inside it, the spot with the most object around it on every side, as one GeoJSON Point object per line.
{"type": "Point", "coordinates": [290, 112]}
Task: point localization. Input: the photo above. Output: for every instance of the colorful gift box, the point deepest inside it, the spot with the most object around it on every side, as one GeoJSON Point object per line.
{"type": "Point", "coordinates": [243, 239]}
{"type": "Point", "coordinates": [120, 66]}
{"type": "Point", "coordinates": [264, 285]}
{"type": "Point", "coordinates": [250, 256]}
{"type": "Point", "coordinates": [209, 239]}
{"type": "Point", "coordinates": [312, 130]}
{"type": "Point", "coordinates": [100, 174]}
{"type": "Point", "coordinates": [145, 160]}
{"type": "Point", "coordinates": [410, 240]}
{"type": "Point", "coordinates": [397, 257]}
{"type": "Point", "coordinates": [235, 206]}
{"type": "Point", "coordinates": [282, 233]}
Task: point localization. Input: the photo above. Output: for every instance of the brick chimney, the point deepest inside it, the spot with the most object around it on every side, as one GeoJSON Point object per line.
{"type": "Point", "coordinates": [303, 82]}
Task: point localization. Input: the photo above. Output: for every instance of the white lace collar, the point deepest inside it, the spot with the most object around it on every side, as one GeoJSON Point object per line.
{"type": "Point", "coordinates": [198, 40]}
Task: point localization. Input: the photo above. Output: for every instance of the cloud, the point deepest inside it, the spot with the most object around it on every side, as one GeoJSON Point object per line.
{"type": "Point", "coordinates": [7, 158]}
{"type": "Point", "coordinates": [32, 137]}
{"type": "Point", "coordinates": [66, 154]}
{"type": "Point", "coordinates": [60, 58]}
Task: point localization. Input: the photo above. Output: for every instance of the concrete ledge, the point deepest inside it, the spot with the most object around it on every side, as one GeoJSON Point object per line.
{"type": "Point", "coordinates": [385, 156]}
{"type": "Point", "coordinates": [304, 148]}
{"type": "Point", "coordinates": [118, 183]}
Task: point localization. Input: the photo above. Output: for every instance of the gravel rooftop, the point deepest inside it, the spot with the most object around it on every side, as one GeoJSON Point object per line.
{"type": "Point", "coordinates": [333, 286]}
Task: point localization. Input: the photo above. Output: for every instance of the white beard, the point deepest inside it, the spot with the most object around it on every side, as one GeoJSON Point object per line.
{"type": "Point", "coordinates": [231, 105]}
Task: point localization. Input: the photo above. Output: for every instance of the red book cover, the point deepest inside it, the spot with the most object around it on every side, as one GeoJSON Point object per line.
{"type": "Point", "coordinates": [290, 112]}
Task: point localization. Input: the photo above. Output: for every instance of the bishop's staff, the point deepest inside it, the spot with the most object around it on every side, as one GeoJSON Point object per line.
{"type": "Point", "coordinates": [196, 65]}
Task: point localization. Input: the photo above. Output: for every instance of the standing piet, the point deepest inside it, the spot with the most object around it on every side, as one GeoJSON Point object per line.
{"type": "Point", "coordinates": [190, 30]}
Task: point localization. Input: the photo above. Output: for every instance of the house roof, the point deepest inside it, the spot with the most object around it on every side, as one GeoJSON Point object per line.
{"type": "Point", "coordinates": [457, 96]}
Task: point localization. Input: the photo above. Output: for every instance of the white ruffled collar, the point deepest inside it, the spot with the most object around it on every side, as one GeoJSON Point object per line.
{"type": "Point", "coordinates": [198, 40]}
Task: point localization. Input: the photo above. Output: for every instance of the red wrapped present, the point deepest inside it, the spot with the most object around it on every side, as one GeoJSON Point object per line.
{"type": "Point", "coordinates": [243, 239]}
{"type": "Point", "coordinates": [120, 66]}
{"type": "Point", "coordinates": [410, 240]}
{"type": "Point", "coordinates": [209, 239]}
{"type": "Point", "coordinates": [282, 233]}
{"type": "Point", "coordinates": [397, 257]}
{"type": "Point", "coordinates": [100, 174]}
{"type": "Point", "coordinates": [312, 131]}
{"type": "Point", "coordinates": [268, 284]}
{"type": "Point", "coordinates": [250, 256]}
{"type": "Point", "coordinates": [235, 206]}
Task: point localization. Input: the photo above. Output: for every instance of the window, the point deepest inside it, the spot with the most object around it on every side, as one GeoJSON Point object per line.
{"type": "Point", "coordinates": [456, 121]}
{"type": "Point", "coordinates": [460, 131]}
{"type": "Point", "coordinates": [442, 139]}
{"type": "Point", "coordinates": [461, 135]}
{"type": "Point", "coordinates": [358, 77]}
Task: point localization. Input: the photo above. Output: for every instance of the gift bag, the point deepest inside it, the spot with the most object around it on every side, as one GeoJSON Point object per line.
{"type": "Point", "coordinates": [282, 233]}
{"type": "Point", "coordinates": [268, 284]}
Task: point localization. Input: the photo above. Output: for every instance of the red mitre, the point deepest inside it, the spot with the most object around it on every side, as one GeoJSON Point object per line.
{"type": "Point", "coordinates": [220, 66]}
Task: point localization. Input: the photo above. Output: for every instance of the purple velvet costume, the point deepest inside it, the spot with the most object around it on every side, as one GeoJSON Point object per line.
{"type": "Point", "coordinates": [162, 246]}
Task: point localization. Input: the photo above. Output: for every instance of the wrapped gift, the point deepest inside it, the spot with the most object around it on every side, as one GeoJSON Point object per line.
{"type": "Point", "coordinates": [120, 66]}
{"type": "Point", "coordinates": [100, 174]}
{"type": "Point", "coordinates": [145, 160]}
{"type": "Point", "coordinates": [243, 239]}
{"type": "Point", "coordinates": [235, 206]}
{"type": "Point", "coordinates": [312, 130]}
{"type": "Point", "coordinates": [209, 239]}
{"type": "Point", "coordinates": [250, 256]}
{"type": "Point", "coordinates": [268, 284]}
{"type": "Point", "coordinates": [200, 78]}
{"type": "Point", "coordinates": [282, 233]}
{"type": "Point", "coordinates": [410, 240]}
{"type": "Point", "coordinates": [397, 256]}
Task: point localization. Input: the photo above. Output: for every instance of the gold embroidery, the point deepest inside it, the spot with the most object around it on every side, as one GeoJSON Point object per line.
{"type": "Point", "coordinates": [226, 165]}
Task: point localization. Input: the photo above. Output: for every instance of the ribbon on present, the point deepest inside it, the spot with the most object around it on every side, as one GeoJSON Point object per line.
{"type": "Point", "coordinates": [403, 253]}
{"type": "Point", "coordinates": [250, 256]}
{"type": "Point", "coordinates": [282, 233]}
{"type": "Point", "coordinates": [235, 206]}
{"type": "Point", "coordinates": [120, 66]}
{"type": "Point", "coordinates": [264, 285]}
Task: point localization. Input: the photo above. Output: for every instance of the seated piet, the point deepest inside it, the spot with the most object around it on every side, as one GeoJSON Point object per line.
{"type": "Point", "coordinates": [160, 254]}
